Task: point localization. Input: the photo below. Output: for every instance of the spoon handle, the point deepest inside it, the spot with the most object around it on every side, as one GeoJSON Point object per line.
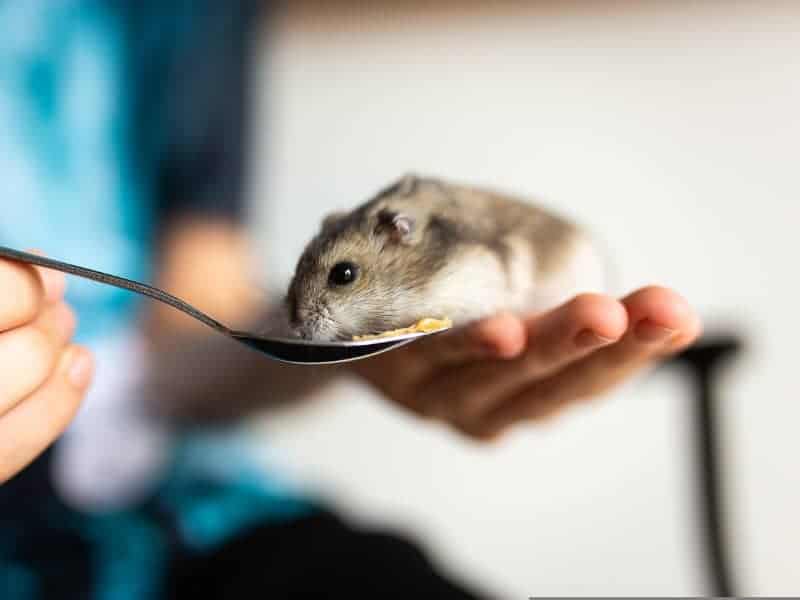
{"type": "Point", "coordinates": [120, 282]}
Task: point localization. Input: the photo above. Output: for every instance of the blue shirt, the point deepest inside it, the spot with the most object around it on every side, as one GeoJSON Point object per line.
{"type": "Point", "coordinates": [117, 116]}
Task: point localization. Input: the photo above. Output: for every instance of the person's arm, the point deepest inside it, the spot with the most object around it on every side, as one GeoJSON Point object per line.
{"type": "Point", "coordinates": [203, 253]}
{"type": "Point", "coordinates": [197, 374]}
{"type": "Point", "coordinates": [43, 376]}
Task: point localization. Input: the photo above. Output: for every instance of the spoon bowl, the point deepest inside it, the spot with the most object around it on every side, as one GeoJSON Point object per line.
{"type": "Point", "coordinates": [288, 350]}
{"type": "Point", "coordinates": [309, 352]}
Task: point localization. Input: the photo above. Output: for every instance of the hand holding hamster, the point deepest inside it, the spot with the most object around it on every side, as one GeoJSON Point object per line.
{"type": "Point", "coordinates": [424, 248]}
{"type": "Point", "coordinates": [507, 369]}
{"type": "Point", "coordinates": [428, 248]}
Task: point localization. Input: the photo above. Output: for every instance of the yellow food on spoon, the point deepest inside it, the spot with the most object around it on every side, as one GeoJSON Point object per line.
{"type": "Point", "coordinates": [426, 325]}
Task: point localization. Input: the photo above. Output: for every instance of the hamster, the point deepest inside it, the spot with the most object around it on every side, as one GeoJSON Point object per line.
{"type": "Point", "coordinates": [425, 247]}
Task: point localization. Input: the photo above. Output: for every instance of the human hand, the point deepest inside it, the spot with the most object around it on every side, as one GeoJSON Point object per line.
{"type": "Point", "coordinates": [43, 377]}
{"type": "Point", "coordinates": [487, 376]}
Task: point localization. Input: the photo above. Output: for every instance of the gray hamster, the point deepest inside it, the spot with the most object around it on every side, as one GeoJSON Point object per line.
{"type": "Point", "coordinates": [425, 247]}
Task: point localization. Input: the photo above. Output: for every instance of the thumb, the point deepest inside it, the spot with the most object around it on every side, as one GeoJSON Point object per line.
{"type": "Point", "coordinates": [33, 424]}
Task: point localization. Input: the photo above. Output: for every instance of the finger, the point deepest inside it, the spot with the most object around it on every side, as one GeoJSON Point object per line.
{"type": "Point", "coordinates": [663, 320]}
{"type": "Point", "coordinates": [402, 372]}
{"type": "Point", "coordinates": [555, 339]}
{"type": "Point", "coordinates": [55, 282]}
{"type": "Point", "coordinates": [29, 354]}
{"type": "Point", "coordinates": [660, 322]}
{"type": "Point", "coordinates": [32, 425]}
{"type": "Point", "coordinates": [58, 323]}
{"type": "Point", "coordinates": [22, 294]}
{"type": "Point", "coordinates": [571, 331]}
{"type": "Point", "coordinates": [498, 336]}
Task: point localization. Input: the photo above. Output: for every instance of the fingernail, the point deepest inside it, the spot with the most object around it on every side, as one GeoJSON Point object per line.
{"type": "Point", "coordinates": [649, 332]}
{"type": "Point", "coordinates": [589, 339]}
{"type": "Point", "coordinates": [79, 368]}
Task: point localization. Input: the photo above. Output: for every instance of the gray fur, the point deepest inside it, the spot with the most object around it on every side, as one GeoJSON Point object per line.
{"type": "Point", "coordinates": [397, 265]}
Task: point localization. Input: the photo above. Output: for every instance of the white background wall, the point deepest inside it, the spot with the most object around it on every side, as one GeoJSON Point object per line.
{"type": "Point", "coordinates": [670, 127]}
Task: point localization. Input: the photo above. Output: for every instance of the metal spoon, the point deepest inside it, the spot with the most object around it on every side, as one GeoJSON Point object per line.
{"type": "Point", "coordinates": [287, 350]}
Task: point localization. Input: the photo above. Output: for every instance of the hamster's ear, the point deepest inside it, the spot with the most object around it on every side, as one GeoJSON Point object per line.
{"type": "Point", "coordinates": [331, 219]}
{"type": "Point", "coordinates": [401, 228]}
{"type": "Point", "coordinates": [407, 184]}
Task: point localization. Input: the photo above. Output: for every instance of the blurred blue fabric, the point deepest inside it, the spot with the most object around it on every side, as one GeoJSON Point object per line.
{"type": "Point", "coordinates": [115, 115]}
{"type": "Point", "coordinates": [70, 184]}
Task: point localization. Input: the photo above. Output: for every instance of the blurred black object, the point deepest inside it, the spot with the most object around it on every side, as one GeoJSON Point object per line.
{"type": "Point", "coordinates": [703, 362]}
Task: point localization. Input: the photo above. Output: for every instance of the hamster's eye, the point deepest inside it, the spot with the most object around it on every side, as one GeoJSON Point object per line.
{"type": "Point", "coordinates": [343, 273]}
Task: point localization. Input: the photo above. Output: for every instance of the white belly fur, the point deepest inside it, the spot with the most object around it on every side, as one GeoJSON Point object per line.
{"type": "Point", "coordinates": [472, 286]}
{"type": "Point", "coordinates": [583, 271]}
{"type": "Point", "coordinates": [476, 284]}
